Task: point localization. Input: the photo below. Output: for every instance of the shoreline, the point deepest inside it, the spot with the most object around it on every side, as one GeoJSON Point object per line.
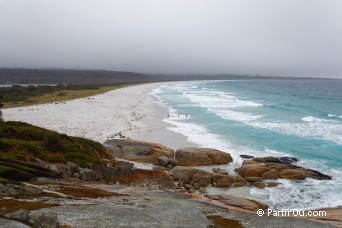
{"type": "Point", "coordinates": [124, 112]}
{"type": "Point", "coordinates": [154, 129]}
{"type": "Point", "coordinates": [133, 111]}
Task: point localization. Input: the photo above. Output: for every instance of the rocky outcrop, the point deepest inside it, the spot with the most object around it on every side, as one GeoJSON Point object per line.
{"type": "Point", "coordinates": [138, 151]}
{"type": "Point", "coordinates": [298, 174]}
{"type": "Point", "coordinates": [193, 156]}
{"type": "Point", "coordinates": [274, 168]}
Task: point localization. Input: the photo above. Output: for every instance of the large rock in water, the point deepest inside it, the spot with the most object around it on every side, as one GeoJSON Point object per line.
{"type": "Point", "coordinates": [193, 156]}
{"type": "Point", "coordinates": [138, 151]}
{"type": "Point", "coordinates": [277, 170]}
{"type": "Point", "coordinates": [300, 174]}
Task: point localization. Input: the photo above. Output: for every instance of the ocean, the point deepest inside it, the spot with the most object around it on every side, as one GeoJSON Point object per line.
{"type": "Point", "coordinates": [297, 118]}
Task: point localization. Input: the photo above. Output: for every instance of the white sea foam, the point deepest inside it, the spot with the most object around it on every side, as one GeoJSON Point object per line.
{"type": "Point", "coordinates": [314, 129]}
{"type": "Point", "coordinates": [305, 195]}
{"type": "Point", "coordinates": [333, 116]}
{"type": "Point", "coordinates": [236, 116]}
{"type": "Point", "coordinates": [221, 104]}
{"type": "Point", "coordinates": [217, 99]}
{"type": "Point", "coordinates": [309, 194]}
{"type": "Point", "coordinates": [314, 119]}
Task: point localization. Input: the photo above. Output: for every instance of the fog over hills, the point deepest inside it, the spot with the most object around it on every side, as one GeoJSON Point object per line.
{"type": "Point", "coordinates": [55, 76]}
{"type": "Point", "coordinates": [174, 37]}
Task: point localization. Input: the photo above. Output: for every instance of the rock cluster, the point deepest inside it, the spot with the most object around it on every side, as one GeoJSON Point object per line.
{"type": "Point", "coordinates": [191, 179]}
{"type": "Point", "coordinates": [274, 168]}
{"type": "Point", "coordinates": [166, 162]}
{"type": "Point", "coordinates": [72, 170]}
{"type": "Point", "coordinates": [253, 172]}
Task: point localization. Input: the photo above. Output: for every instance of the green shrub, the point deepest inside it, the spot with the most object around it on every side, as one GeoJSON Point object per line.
{"type": "Point", "coordinates": [53, 142]}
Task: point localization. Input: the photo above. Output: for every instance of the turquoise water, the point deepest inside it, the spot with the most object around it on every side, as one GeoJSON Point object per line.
{"type": "Point", "coordinates": [299, 118]}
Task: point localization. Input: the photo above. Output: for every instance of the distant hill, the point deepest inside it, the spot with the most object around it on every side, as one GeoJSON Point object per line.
{"type": "Point", "coordinates": [54, 76]}
{"type": "Point", "coordinates": [64, 76]}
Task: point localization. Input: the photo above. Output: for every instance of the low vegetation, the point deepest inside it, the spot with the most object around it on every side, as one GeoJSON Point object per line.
{"type": "Point", "coordinates": [17, 95]}
{"type": "Point", "coordinates": [21, 144]}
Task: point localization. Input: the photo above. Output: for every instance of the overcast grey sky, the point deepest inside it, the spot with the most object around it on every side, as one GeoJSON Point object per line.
{"type": "Point", "coordinates": [270, 37]}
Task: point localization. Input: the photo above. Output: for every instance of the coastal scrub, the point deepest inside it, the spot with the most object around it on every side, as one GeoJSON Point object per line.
{"type": "Point", "coordinates": [21, 144]}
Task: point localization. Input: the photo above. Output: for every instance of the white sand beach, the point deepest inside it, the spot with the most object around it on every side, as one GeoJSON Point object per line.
{"type": "Point", "coordinates": [130, 111]}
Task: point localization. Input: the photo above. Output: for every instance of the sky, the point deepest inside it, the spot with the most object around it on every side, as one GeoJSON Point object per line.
{"type": "Point", "coordinates": [264, 37]}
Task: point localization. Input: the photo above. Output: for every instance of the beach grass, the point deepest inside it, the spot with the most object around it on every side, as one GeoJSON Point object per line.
{"type": "Point", "coordinates": [18, 96]}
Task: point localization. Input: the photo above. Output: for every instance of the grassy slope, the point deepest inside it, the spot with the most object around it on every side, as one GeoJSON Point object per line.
{"type": "Point", "coordinates": [22, 96]}
{"type": "Point", "coordinates": [21, 144]}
